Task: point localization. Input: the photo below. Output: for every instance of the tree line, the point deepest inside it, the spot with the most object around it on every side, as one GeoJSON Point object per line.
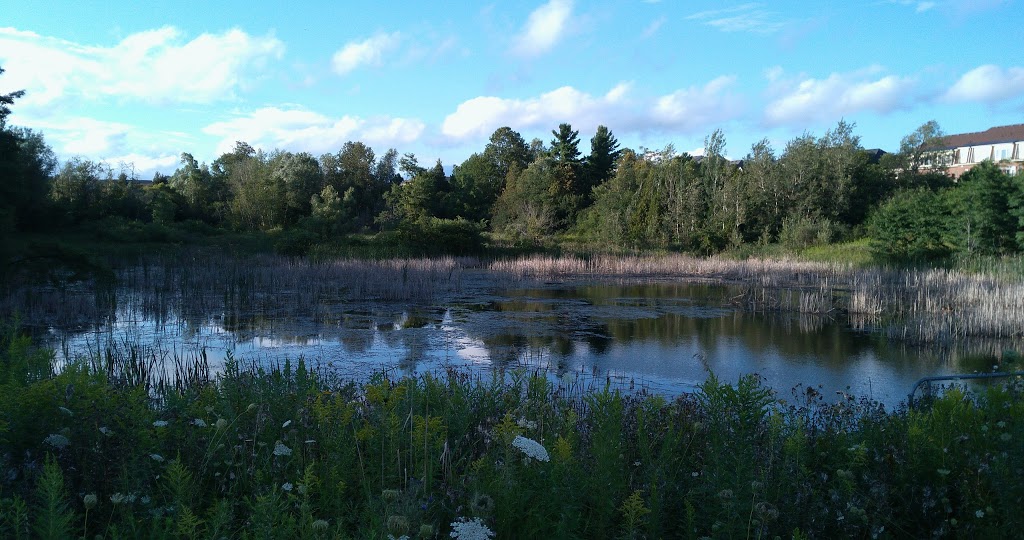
{"type": "Point", "coordinates": [818, 189]}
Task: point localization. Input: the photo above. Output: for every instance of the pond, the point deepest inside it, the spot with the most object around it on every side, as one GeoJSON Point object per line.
{"type": "Point", "coordinates": [663, 337]}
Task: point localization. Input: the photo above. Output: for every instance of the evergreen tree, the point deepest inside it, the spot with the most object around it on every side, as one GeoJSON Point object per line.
{"type": "Point", "coordinates": [600, 165]}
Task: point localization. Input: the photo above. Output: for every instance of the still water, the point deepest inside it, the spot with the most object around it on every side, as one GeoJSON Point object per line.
{"type": "Point", "coordinates": [662, 337]}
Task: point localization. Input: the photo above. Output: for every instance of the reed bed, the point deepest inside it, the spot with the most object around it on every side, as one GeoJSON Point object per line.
{"type": "Point", "coordinates": [933, 305]}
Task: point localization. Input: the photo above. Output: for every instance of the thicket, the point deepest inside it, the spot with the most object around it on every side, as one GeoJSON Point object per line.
{"type": "Point", "coordinates": [288, 451]}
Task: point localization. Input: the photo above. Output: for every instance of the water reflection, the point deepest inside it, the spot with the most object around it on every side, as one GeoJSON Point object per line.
{"type": "Point", "coordinates": [666, 337]}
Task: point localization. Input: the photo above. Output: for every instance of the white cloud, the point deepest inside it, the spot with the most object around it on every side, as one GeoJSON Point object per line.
{"type": "Point", "coordinates": [841, 94]}
{"type": "Point", "coordinates": [113, 143]}
{"type": "Point", "coordinates": [369, 52]}
{"type": "Point", "coordinates": [688, 110]}
{"type": "Point", "coordinates": [752, 18]}
{"type": "Point", "coordinates": [988, 83]}
{"type": "Point", "coordinates": [143, 165]}
{"type": "Point", "coordinates": [301, 130]}
{"type": "Point", "coordinates": [691, 109]}
{"type": "Point", "coordinates": [154, 65]}
{"type": "Point", "coordinates": [544, 28]}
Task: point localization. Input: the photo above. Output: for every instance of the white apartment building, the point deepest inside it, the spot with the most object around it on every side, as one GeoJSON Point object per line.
{"type": "Point", "coordinates": [1003, 145]}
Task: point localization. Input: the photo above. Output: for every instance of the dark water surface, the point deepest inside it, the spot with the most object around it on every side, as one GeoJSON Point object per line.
{"type": "Point", "coordinates": [665, 337]}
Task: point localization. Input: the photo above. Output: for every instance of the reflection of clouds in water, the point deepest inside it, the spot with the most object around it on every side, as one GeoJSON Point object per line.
{"type": "Point", "coordinates": [604, 333]}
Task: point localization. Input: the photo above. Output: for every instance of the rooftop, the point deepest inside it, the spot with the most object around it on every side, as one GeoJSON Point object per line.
{"type": "Point", "coordinates": [1000, 134]}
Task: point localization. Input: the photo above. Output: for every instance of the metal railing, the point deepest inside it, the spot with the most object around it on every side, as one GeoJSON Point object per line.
{"type": "Point", "coordinates": [966, 376]}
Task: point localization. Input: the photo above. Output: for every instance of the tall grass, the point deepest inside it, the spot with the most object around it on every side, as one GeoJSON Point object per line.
{"type": "Point", "coordinates": [926, 305]}
{"type": "Point", "coordinates": [290, 451]}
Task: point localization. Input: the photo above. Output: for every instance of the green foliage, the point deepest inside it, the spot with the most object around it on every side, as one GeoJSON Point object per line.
{"type": "Point", "coordinates": [288, 452]}
{"type": "Point", "coordinates": [53, 517]}
{"type": "Point", "coordinates": [911, 227]}
{"type": "Point", "coordinates": [981, 204]}
{"type": "Point", "coordinates": [433, 236]}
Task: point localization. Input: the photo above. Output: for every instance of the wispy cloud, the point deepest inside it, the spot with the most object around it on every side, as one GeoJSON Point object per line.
{"type": "Point", "coordinates": [919, 6]}
{"type": "Point", "coordinates": [804, 99]}
{"type": "Point", "coordinates": [751, 17]}
{"type": "Point", "coordinates": [368, 52]}
{"type": "Point", "coordinates": [158, 65]}
{"type": "Point", "coordinates": [653, 28]}
{"type": "Point", "coordinates": [988, 84]}
{"type": "Point", "coordinates": [544, 28]}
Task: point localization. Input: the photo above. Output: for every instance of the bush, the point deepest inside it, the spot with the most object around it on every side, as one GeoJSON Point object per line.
{"type": "Point", "coordinates": [804, 232]}
{"type": "Point", "coordinates": [448, 236]}
{"type": "Point", "coordinates": [910, 227]}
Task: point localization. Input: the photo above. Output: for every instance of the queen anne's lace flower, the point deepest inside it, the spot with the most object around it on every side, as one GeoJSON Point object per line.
{"type": "Point", "coordinates": [531, 448]}
{"type": "Point", "coordinates": [281, 450]}
{"type": "Point", "coordinates": [474, 529]}
{"type": "Point", "coordinates": [57, 441]}
{"type": "Point", "coordinates": [160, 423]}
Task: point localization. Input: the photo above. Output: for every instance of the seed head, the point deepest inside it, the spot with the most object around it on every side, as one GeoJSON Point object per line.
{"type": "Point", "coordinates": [89, 501]}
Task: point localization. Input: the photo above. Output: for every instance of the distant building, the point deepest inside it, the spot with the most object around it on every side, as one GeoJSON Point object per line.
{"type": "Point", "coordinates": [1003, 145]}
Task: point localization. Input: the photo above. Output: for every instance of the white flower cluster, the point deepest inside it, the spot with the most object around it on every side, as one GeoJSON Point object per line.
{"type": "Point", "coordinates": [199, 422]}
{"type": "Point", "coordinates": [160, 423]}
{"type": "Point", "coordinates": [531, 448]}
{"type": "Point", "coordinates": [474, 529]}
{"type": "Point", "coordinates": [57, 441]}
{"type": "Point", "coordinates": [281, 450]}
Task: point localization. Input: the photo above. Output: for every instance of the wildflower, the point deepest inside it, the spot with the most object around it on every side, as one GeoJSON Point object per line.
{"type": "Point", "coordinates": [980, 514]}
{"type": "Point", "coordinates": [943, 472]}
{"type": "Point", "coordinates": [160, 423]}
{"type": "Point", "coordinates": [221, 423]}
{"type": "Point", "coordinates": [145, 499]}
{"type": "Point", "coordinates": [157, 458]}
{"type": "Point", "coordinates": [57, 441]}
{"type": "Point", "coordinates": [531, 448]}
{"type": "Point", "coordinates": [117, 498]}
{"type": "Point", "coordinates": [528, 424]}
{"type": "Point", "coordinates": [390, 494]}
{"type": "Point", "coordinates": [287, 486]}
{"type": "Point", "coordinates": [725, 494]}
{"type": "Point", "coordinates": [89, 501]}
{"type": "Point", "coordinates": [1000, 424]}
{"type": "Point", "coordinates": [286, 424]}
{"type": "Point", "coordinates": [281, 450]}
{"type": "Point", "coordinates": [199, 422]}
{"type": "Point", "coordinates": [320, 525]}
{"type": "Point", "coordinates": [767, 511]}
{"type": "Point", "coordinates": [106, 431]}
{"type": "Point", "coordinates": [251, 407]}
{"type": "Point", "coordinates": [302, 489]}
{"type": "Point", "coordinates": [474, 529]}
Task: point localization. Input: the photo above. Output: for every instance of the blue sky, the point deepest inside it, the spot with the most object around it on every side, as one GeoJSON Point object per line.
{"type": "Point", "coordinates": [142, 82]}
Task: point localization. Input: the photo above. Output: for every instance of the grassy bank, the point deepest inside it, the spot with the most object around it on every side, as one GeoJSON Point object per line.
{"type": "Point", "coordinates": [288, 452]}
